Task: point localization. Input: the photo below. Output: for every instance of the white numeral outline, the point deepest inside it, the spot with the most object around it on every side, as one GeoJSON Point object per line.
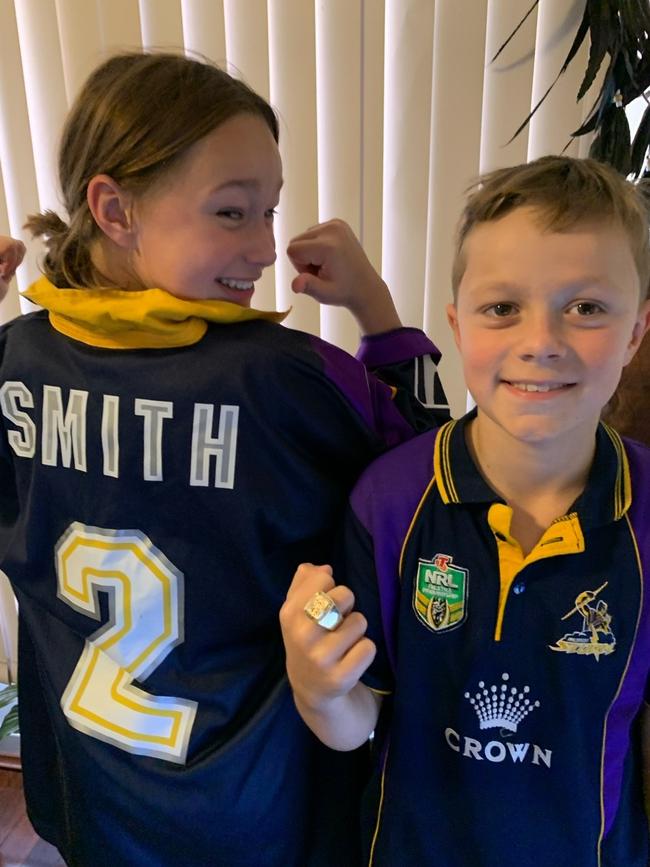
{"type": "Point", "coordinates": [145, 592]}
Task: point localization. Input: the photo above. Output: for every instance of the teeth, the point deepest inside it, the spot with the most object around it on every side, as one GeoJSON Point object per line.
{"type": "Point", "coordinates": [529, 386]}
{"type": "Point", "coordinates": [236, 284]}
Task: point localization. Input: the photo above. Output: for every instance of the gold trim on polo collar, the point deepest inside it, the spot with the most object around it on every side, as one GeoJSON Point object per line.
{"type": "Point", "coordinates": [607, 495]}
{"type": "Point", "coordinates": [442, 464]}
{"type": "Point", "coordinates": [623, 484]}
{"type": "Point", "coordinates": [143, 319]}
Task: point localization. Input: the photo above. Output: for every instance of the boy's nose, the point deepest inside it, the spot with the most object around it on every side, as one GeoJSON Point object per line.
{"type": "Point", "coordinates": [542, 339]}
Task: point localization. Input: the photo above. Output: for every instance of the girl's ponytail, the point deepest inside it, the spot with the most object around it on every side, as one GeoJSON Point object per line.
{"type": "Point", "coordinates": [67, 261]}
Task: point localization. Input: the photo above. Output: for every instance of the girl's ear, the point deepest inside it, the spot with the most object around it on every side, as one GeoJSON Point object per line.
{"type": "Point", "coordinates": [111, 208]}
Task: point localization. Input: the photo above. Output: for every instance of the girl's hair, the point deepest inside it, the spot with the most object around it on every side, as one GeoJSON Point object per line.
{"type": "Point", "coordinates": [135, 117]}
{"type": "Point", "coordinates": [565, 192]}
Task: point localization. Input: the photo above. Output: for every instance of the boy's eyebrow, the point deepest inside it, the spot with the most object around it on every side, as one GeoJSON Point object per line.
{"type": "Point", "coordinates": [506, 285]}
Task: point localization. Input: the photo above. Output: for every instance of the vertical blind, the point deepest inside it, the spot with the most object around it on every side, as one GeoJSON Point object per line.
{"type": "Point", "coordinates": [388, 110]}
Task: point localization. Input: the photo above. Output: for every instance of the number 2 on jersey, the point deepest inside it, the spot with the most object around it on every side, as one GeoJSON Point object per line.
{"type": "Point", "coordinates": [145, 623]}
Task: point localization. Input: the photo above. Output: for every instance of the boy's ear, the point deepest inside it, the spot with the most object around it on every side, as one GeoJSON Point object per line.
{"type": "Point", "coordinates": [641, 326]}
{"type": "Point", "coordinates": [452, 319]}
{"type": "Point", "coordinates": [111, 207]}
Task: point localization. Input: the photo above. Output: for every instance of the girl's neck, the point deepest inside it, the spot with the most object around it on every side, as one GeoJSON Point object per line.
{"type": "Point", "coordinates": [113, 263]}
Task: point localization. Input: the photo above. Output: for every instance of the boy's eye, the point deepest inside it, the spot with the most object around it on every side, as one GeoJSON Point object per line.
{"type": "Point", "coordinates": [586, 308]}
{"type": "Point", "coordinates": [271, 214]}
{"type": "Point", "coordinates": [503, 308]}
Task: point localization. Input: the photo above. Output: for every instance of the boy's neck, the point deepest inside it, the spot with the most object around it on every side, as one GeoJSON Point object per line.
{"type": "Point", "coordinates": [538, 480]}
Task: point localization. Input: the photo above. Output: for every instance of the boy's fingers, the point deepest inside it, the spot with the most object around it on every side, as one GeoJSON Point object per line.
{"type": "Point", "coordinates": [343, 598]}
{"type": "Point", "coordinates": [308, 579]}
{"type": "Point", "coordinates": [327, 650]}
{"type": "Point", "coordinates": [355, 662]}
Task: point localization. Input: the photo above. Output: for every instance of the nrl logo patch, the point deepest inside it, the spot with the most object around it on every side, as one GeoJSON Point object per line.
{"type": "Point", "coordinates": [440, 593]}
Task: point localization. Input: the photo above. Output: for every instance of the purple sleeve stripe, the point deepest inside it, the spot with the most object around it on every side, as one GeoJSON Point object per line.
{"type": "Point", "coordinates": [372, 399]}
{"type": "Point", "coordinates": [384, 501]}
{"type": "Point", "coordinates": [378, 350]}
{"type": "Point", "coordinates": [633, 686]}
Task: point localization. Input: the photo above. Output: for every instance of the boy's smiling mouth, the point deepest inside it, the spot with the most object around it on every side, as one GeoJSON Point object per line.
{"type": "Point", "coordinates": [538, 387]}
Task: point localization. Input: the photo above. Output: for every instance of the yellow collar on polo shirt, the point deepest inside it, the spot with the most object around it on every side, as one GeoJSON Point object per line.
{"type": "Point", "coordinates": [143, 319]}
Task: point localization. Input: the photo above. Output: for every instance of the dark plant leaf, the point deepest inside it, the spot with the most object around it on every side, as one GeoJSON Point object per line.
{"type": "Point", "coordinates": [612, 144]}
{"type": "Point", "coordinates": [602, 144]}
{"type": "Point", "coordinates": [620, 29]}
{"type": "Point", "coordinates": [635, 16]}
{"type": "Point", "coordinates": [577, 42]}
{"type": "Point", "coordinates": [640, 144]}
{"type": "Point", "coordinates": [525, 123]}
{"type": "Point", "coordinates": [517, 28]}
{"type": "Point", "coordinates": [621, 142]}
{"type": "Point", "coordinates": [641, 82]}
{"type": "Point", "coordinates": [588, 126]}
{"type": "Point", "coordinates": [579, 38]}
{"type": "Point", "coordinates": [600, 34]}
{"type": "Point", "coordinates": [604, 102]}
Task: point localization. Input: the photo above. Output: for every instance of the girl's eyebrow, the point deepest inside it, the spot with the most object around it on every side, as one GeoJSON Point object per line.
{"type": "Point", "coordinates": [243, 183]}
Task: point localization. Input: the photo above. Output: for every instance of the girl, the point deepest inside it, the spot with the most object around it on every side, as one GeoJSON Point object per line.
{"type": "Point", "coordinates": [169, 455]}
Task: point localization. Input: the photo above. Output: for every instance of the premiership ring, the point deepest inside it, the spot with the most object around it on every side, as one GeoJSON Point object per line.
{"type": "Point", "coordinates": [322, 609]}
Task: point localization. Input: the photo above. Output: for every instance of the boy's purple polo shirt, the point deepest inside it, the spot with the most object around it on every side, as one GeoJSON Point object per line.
{"type": "Point", "coordinates": [510, 748]}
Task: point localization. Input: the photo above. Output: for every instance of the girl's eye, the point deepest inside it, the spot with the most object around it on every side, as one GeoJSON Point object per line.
{"type": "Point", "coordinates": [586, 308]}
{"type": "Point", "coordinates": [230, 213]}
{"type": "Point", "coordinates": [271, 214]}
{"type": "Point", "coordinates": [500, 310]}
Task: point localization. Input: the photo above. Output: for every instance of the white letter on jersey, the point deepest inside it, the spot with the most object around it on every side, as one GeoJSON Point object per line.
{"type": "Point", "coordinates": [70, 431]}
{"type": "Point", "coordinates": [224, 447]}
{"type": "Point", "coordinates": [12, 395]}
{"type": "Point", "coordinates": [154, 412]}
{"type": "Point", "coordinates": [110, 436]}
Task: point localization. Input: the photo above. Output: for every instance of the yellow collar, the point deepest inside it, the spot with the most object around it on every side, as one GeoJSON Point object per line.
{"type": "Point", "coordinates": [147, 319]}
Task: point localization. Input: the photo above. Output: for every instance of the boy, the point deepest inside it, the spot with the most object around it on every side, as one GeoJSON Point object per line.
{"type": "Point", "coordinates": [501, 565]}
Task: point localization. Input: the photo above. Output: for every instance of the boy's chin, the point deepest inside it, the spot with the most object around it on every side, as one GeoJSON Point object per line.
{"type": "Point", "coordinates": [536, 430]}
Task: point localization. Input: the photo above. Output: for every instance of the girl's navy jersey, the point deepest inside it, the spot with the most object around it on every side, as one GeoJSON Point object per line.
{"type": "Point", "coordinates": [515, 685]}
{"type": "Point", "coordinates": [154, 505]}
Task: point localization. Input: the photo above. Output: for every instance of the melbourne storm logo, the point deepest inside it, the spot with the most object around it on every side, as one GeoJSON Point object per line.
{"type": "Point", "coordinates": [596, 637]}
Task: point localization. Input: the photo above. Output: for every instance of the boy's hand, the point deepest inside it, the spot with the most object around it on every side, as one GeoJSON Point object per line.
{"type": "Point", "coordinates": [322, 665]}
{"type": "Point", "coordinates": [11, 255]}
{"type": "Point", "coordinates": [333, 269]}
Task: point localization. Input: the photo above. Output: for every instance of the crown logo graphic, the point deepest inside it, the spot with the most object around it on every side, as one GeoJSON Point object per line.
{"type": "Point", "coordinates": [501, 706]}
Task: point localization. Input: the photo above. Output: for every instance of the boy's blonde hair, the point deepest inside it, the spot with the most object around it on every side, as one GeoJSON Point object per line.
{"type": "Point", "coordinates": [135, 117]}
{"type": "Point", "coordinates": [565, 192]}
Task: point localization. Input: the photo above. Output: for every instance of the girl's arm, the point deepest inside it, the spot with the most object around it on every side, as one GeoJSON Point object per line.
{"type": "Point", "coordinates": [11, 255]}
{"type": "Point", "coordinates": [324, 667]}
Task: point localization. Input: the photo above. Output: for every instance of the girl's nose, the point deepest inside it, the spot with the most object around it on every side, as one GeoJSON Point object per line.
{"type": "Point", "coordinates": [261, 248]}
